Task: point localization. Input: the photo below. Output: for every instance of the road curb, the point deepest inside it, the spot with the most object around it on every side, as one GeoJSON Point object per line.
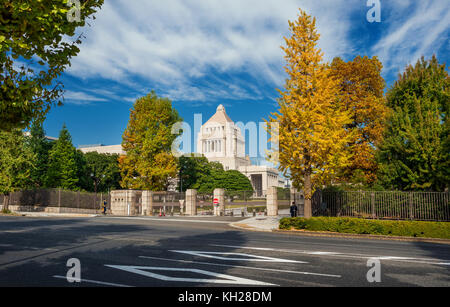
{"type": "Point", "coordinates": [249, 228]}
{"type": "Point", "coordinates": [360, 236]}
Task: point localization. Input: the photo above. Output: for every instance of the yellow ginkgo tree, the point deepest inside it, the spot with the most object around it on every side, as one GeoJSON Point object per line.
{"type": "Point", "coordinates": [311, 118]}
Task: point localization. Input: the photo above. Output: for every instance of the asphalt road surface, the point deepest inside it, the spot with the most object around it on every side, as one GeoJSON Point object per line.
{"type": "Point", "coordinates": [192, 252]}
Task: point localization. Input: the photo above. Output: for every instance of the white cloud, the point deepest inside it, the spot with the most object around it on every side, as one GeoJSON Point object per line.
{"type": "Point", "coordinates": [172, 44]}
{"type": "Point", "coordinates": [415, 29]}
{"type": "Point", "coordinates": [80, 98]}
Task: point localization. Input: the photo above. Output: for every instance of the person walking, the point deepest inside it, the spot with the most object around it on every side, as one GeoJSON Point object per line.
{"type": "Point", "coordinates": [104, 207]}
{"type": "Point", "coordinates": [293, 209]}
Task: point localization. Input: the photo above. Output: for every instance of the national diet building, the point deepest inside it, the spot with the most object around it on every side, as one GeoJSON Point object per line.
{"type": "Point", "coordinates": [220, 140]}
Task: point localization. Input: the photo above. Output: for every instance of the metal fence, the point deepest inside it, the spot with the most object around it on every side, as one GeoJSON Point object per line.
{"type": "Point", "coordinates": [424, 206]}
{"type": "Point", "coordinates": [284, 198]}
{"type": "Point", "coordinates": [237, 202]}
{"type": "Point", "coordinates": [205, 203]}
{"type": "Point", "coordinates": [167, 202]}
{"type": "Point", "coordinates": [56, 198]}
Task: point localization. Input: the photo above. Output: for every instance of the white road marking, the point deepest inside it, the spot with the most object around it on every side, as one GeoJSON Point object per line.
{"type": "Point", "coordinates": [324, 253]}
{"type": "Point", "coordinates": [169, 220]}
{"type": "Point", "coordinates": [243, 267]}
{"type": "Point", "coordinates": [96, 282]}
{"type": "Point", "coordinates": [225, 279]}
{"type": "Point", "coordinates": [345, 255]}
{"type": "Point", "coordinates": [249, 257]}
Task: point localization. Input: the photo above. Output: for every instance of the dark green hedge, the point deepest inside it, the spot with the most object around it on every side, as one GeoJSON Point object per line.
{"type": "Point", "coordinates": [375, 227]}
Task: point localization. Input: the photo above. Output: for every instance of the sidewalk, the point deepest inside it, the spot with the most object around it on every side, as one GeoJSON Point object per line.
{"type": "Point", "coordinates": [259, 223]}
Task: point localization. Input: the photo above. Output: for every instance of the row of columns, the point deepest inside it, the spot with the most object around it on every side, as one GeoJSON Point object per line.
{"type": "Point", "coordinates": [212, 146]}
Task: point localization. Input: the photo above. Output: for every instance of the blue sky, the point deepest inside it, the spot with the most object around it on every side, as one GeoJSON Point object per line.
{"type": "Point", "coordinates": [201, 53]}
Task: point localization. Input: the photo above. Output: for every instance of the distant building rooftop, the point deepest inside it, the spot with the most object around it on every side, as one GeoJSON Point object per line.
{"type": "Point", "coordinates": [102, 149]}
{"type": "Point", "coordinates": [91, 145]}
{"type": "Point", "coordinates": [50, 138]}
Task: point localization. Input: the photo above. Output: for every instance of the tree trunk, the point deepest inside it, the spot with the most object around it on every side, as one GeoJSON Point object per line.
{"type": "Point", "coordinates": [6, 202]}
{"type": "Point", "coordinates": [308, 196]}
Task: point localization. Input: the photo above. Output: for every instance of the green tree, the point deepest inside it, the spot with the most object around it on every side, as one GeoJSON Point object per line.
{"type": "Point", "coordinates": [84, 180]}
{"type": "Point", "coordinates": [415, 152]}
{"type": "Point", "coordinates": [235, 181]}
{"type": "Point", "coordinates": [15, 163]}
{"type": "Point", "coordinates": [103, 171]}
{"type": "Point", "coordinates": [191, 169]}
{"type": "Point", "coordinates": [34, 51]}
{"type": "Point", "coordinates": [63, 169]}
{"type": "Point", "coordinates": [198, 173]}
{"type": "Point", "coordinates": [211, 179]}
{"type": "Point", "coordinates": [40, 146]}
{"type": "Point", "coordinates": [149, 162]}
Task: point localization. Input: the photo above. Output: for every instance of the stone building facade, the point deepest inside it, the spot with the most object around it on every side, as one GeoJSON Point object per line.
{"type": "Point", "coordinates": [221, 140]}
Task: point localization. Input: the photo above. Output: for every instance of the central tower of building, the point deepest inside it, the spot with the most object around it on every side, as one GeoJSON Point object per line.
{"type": "Point", "coordinates": [220, 140]}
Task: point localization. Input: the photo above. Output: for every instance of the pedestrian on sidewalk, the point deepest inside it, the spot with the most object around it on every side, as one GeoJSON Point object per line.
{"type": "Point", "coordinates": [293, 209]}
{"type": "Point", "coordinates": [104, 207]}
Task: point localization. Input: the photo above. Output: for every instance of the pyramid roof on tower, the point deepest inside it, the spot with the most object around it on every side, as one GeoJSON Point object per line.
{"type": "Point", "coordinates": [220, 117]}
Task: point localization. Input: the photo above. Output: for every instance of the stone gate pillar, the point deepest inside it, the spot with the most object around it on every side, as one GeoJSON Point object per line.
{"type": "Point", "coordinates": [220, 195]}
{"type": "Point", "coordinates": [191, 202]}
{"type": "Point", "coordinates": [272, 201]}
{"type": "Point", "coordinates": [147, 203]}
{"type": "Point", "coordinates": [123, 202]}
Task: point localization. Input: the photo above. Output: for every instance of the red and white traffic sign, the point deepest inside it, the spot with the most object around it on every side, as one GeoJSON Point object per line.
{"type": "Point", "coordinates": [216, 201]}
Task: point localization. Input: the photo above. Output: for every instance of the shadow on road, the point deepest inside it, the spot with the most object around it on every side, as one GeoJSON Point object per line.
{"type": "Point", "coordinates": [32, 258]}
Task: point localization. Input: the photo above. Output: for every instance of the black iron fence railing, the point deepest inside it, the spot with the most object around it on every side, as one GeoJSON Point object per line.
{"type": "Point", "coordinates": [424, 206]}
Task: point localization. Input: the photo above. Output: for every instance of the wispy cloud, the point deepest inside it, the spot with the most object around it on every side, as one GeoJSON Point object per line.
{"type": "Point", "coordinates": [418, 28]}
{"type": "Point", "coordinates": [81, 98]}
{"type": "Point", "coordinates": [177, 46]}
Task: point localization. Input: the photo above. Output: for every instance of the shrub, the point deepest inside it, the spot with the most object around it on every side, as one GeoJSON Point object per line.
{"type": "Point", "coordinates": [6, 211]}
{"type": "Point", "coordinates": [363, 226]}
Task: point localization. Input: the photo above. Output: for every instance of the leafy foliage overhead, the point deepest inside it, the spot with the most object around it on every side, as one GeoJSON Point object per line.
{"type": "Point", "coordinates": [35, 48]}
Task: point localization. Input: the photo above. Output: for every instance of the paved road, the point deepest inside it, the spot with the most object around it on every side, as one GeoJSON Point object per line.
{"type": "Point", "coordinates": [202, 252]}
